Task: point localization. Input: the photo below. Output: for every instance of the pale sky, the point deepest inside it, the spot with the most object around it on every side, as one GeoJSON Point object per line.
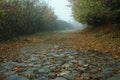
{"type": "Point", "coordinates": [61, 10]}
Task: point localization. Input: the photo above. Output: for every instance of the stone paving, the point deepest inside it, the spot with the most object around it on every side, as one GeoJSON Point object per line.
{"type": "Point", "coordinates": [62, 65]}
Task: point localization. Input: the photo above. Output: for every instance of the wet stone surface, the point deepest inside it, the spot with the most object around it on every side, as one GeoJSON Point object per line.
{"type": "Point", "coordinates": [64, 65]}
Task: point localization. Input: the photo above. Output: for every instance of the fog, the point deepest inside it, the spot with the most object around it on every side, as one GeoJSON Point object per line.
{"type": "Point", "coordinates": [64, 12]}
{"type": "Point", "coordinates": [77, 25]}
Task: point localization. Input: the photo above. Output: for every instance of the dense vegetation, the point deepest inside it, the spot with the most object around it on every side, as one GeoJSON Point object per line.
{"type": "Point", "coordinates": [24, 17]}
{"type": "Point", "coordinates": [96, 12]}
{"type": "Point", "coordinates": [61, 25]}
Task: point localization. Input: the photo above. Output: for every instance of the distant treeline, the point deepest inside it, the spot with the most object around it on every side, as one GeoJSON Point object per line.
{"type": "Point", "coordinates": [96, 12]}
{"type": "Point", "coordinates": [24, 17]}
{"type": "Point", "coordinates": [61, 25]}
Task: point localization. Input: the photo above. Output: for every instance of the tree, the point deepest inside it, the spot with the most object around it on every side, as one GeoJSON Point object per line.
{"type": "Point", "coordinates": [95, 12]}
{"type": "Point", "coordinates": [24, 17]}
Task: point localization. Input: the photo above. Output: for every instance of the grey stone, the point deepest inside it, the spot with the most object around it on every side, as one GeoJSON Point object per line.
{"type": "Point", "coordinates": [59, 62]}
{"type": "Point", "coordinates": [72, 51]}
{"type": "Point", "coordinates": [58, 56]}
{"type": "Point", "coordinates": [66, 52]}
{"type": "Point", "coordinates": [104, 74]}
{"type": "Point", "coordinates": [35, 55]}
{"type": "Point", "coordinates": [30, 64]}
{"type": "Point", "coordinates": [109, 58]}
{"type": "Point", "coordinates": [2, 69]}
{"type": "Point", "coordinates": [108, 68]}
{"type": "Point", "coordinates": [45, 58]}
{"type": "Point", "coordinates": [37, 66]}
{"type": "Point", "coordinates": [82, 69]}
{"type": "Point", "coordinates": [9, 73]}
{"type": "Point", "coordinates": [16, 77]}
{"type": "Point", "coordinates": [116, 77]}
{"type": "Point", "coordinates": [47, 63]}
{"type": "Point", "coordinates": [74, 61]}
{"type": "Point", "coordinates": [42, 78]}
{"type": "Point", "coordinates": [81, 62]}
{"type": "Point", "coordinates": [53, 68]}
{"type": "Point", "coordinates": [47, 68]}
{"type": "Point", "coordinates": [9, 65]}
{"type": "Point", "coordinates": [27, 72]}
{"type": "Point", "coordinates": [51, 74]}
{"type": "Point", "coordinates": [64, 73]}
{"type": "Point", "coordinates": [56, 46]}
{"type": "Point", "coordinates": [74, 72]}
{"type": "Point", "coordinates": [61, 50]}
{"type": "Point", "coordinates": [85, 75]}
{"type": "Point", "coordinates": [70, 76]}
{"type": "Point", "coordinates": [44, 52]}
{"type": "Point", "coordinates": [71, 57]}
{"type": "Point", "coordinates": [40, 71]}
{"type": "Point", "coordinates": [52, 54]}
{"type": "Point", "coordinates": [33, 59]}
{"type": "Point", "coordinates": [59, 78]}
{"type": "Point", "coordinates": [31, 69]}
{"type": "Point", "coordinates": [75, 53]}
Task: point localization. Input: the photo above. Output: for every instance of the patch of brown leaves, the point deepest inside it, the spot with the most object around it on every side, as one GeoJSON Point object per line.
{"type": "Point", "coordinates": [104, 39]}
{"type": "Point", "coordinates": [8, 50]}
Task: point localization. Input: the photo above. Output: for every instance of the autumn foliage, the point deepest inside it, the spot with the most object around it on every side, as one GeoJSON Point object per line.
{"type": "Point", "coordinates": [24, 17]}
{"type": "Point", "coordinates": [96, 12]}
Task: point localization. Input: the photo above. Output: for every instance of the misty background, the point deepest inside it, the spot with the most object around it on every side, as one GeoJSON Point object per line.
{"type": "Point", "coordinates": [64, 12]}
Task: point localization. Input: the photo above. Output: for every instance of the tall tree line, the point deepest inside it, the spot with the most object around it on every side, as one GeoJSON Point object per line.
{"type": "Point", "coordinates": [24, 17]}
{"type": "Point", "coordinates": [96, 12]}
